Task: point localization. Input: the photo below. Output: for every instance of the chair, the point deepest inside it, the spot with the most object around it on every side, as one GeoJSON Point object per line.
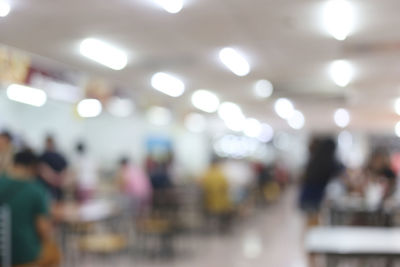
{"type": "Point", "coordinates": [5, 240]}
{"type": "Point", "coordinates": [158, 229]}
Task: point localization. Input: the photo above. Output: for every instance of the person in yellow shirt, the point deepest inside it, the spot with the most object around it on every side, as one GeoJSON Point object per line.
{"type": "Point", "coordinates": [217, 202]}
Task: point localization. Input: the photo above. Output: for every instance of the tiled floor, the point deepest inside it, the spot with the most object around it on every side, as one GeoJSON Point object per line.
{"type": "Point", "coordinates": [272, 237]}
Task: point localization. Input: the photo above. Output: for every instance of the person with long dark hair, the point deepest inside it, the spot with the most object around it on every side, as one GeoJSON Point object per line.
{"type": "Point", "coordinates": [321, 168]}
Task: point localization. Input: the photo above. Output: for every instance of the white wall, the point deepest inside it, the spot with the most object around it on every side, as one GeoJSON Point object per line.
{"type": "Point", "coordinates": [107, 137]}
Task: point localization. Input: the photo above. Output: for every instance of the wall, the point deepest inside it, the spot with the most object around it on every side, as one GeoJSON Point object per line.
{"type": "Point", "coordinates": [107, 137]}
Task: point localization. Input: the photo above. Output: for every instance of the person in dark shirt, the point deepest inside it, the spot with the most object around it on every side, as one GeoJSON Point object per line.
{"type": "Point", "coordinates": [28, 205]}
{"type": "Point", "coordinates": [52, 170]}
{"type": "Point", "coordinates": [321, 168]}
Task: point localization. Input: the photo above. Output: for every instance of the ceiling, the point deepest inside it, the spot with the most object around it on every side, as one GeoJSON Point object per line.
{"type": "Point", "coordinates": [282, 40]}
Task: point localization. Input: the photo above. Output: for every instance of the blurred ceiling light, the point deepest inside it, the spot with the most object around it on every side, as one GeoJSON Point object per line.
{"type": "Point", "coordinates": [397, 129]}
{"type": "Point", "coordinates": [266, 134]}
{"type": "Point", "coordinates": [195, 122]}
{"type": "Point", "coordinates": [263, 89]}
{"type": "Point", "coordinates": [167, 84]}
{"type": "Point", "coordinates": [235, 146]}
{"type": "Point", "coordinates": [341, 72]}
{"type": "Point", "coordinates": [232, 115]}
{"type": "Point", "coordinates": [103, 53]}
{"type": "Point", "coordinates": [27, 95]}
{"type": "Point", "coordinates": [229, 110]}
{"type": "Point", "coordinates": [338, 18]}
{"type": "Point", "coordinates": [252, 127]}
{"type": "Point", "coordinates": [297, 120]}
{"type": "Point", "coordinates": [171, 6]}
{"type": "Point", "coordinates": [159, 116]}
{"type": "Point", "coordinates": [89, 108]}
{"type": "Point", "coordinates": [341, 117]}
{"type": "Point", "coordinates": [284, 108]}
{"type": "Point", "coordinates": [205, 101]}
{"type": "Point", "coordinates": [5, 8]}
{"type": "Point", "coordinates": [235, 125]}
{"type": "Point", "coordinates": [397, 106]}
{"type": "Point", "coordinates": [234, 61]}
{"type": "Point", "coordinates": [120, 107]}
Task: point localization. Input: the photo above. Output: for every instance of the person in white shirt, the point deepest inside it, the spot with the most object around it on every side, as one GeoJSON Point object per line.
{"type": "Point", "coordinates": [86, 174]}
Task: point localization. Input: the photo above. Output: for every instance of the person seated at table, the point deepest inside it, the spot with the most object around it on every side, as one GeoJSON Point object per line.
{"type": "Point", "coordinates": [135, 184]}
{"type": "Point", "coordinates": [379, 171]}
{"type": "Point", "coordinates": [28, 205]}
{"type": "Point", "coordinates": [321, 168]}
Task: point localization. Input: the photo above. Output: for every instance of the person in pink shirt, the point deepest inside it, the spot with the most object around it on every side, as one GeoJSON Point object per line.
{"type": "Point", "coordinates": [135, 184]}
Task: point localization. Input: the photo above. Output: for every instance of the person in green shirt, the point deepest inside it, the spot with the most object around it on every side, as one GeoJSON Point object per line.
{"type": "Point", "coordinates": [28, 206]}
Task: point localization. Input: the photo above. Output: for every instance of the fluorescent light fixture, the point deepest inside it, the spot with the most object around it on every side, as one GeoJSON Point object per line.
{"type": "Point", "coordinates": [235, 125]}
{"type": "Point", "coordinates": [27, 95]}
{"type": "Point", "coordinates": [232, 115]}
{"type": "Point", "coordinates": [159, 116]}
{"type": "Point", "coordinates": [266, 134]}
{"type": "Point", "coordinates": [284, 108]}
{"type": "Point", "coordinates": [341, 72]}
{"type": "Point", "coordinates": [338, 18]}
{"type": "Point", "coordinates": [120, 107]}
{"type": "Point", "coordinates": [229, 110]}
{"type": "Point", "coordinates": [263, 89]}
{"type": "Point", "coordinates": [89, 108]}
{"type": "Point", "coordinates": [252, 127]}
{"type": "Point", "coordinates": [234, 61]}
{"type": "Point", "coordinates": [341, 117]}
{"type": "Point", "coordinates": [297, 120]}
{"type": "Point", "coordinates": [103, 53]}
{"type": "Point", "coordinates": [171, 6]}
{"type": "Point", "coordinates": [195, 122]}
{"type": "Point", "coordinates": [205, 101]}
{"type": "Point", "coordinates": [397, 129]}
{"type": "Point", "coordinates": [5, 8]}
{"type": "Point", "coordinates": [397, 106]}
{"type": "Point", "coordinates": [167, 84]}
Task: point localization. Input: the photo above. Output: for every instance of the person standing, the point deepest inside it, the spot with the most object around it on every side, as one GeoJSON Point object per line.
{"type": "Point", "coordinates": [135, 184]}
{"type": "Point", "coordinates": [28, 206]}
{"type": "Point", "coordinates": [53, 170]}
{"type": "Point", "coordinates": [217, 201]}
{"type": "Point", "coordinates": [85, 173]}
{"type": "Point", "coordinates": [321, 168]}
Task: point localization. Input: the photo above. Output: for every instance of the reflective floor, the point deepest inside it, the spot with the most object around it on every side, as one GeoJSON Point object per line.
{"type": "Point", "coordinates": [269, 237]}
